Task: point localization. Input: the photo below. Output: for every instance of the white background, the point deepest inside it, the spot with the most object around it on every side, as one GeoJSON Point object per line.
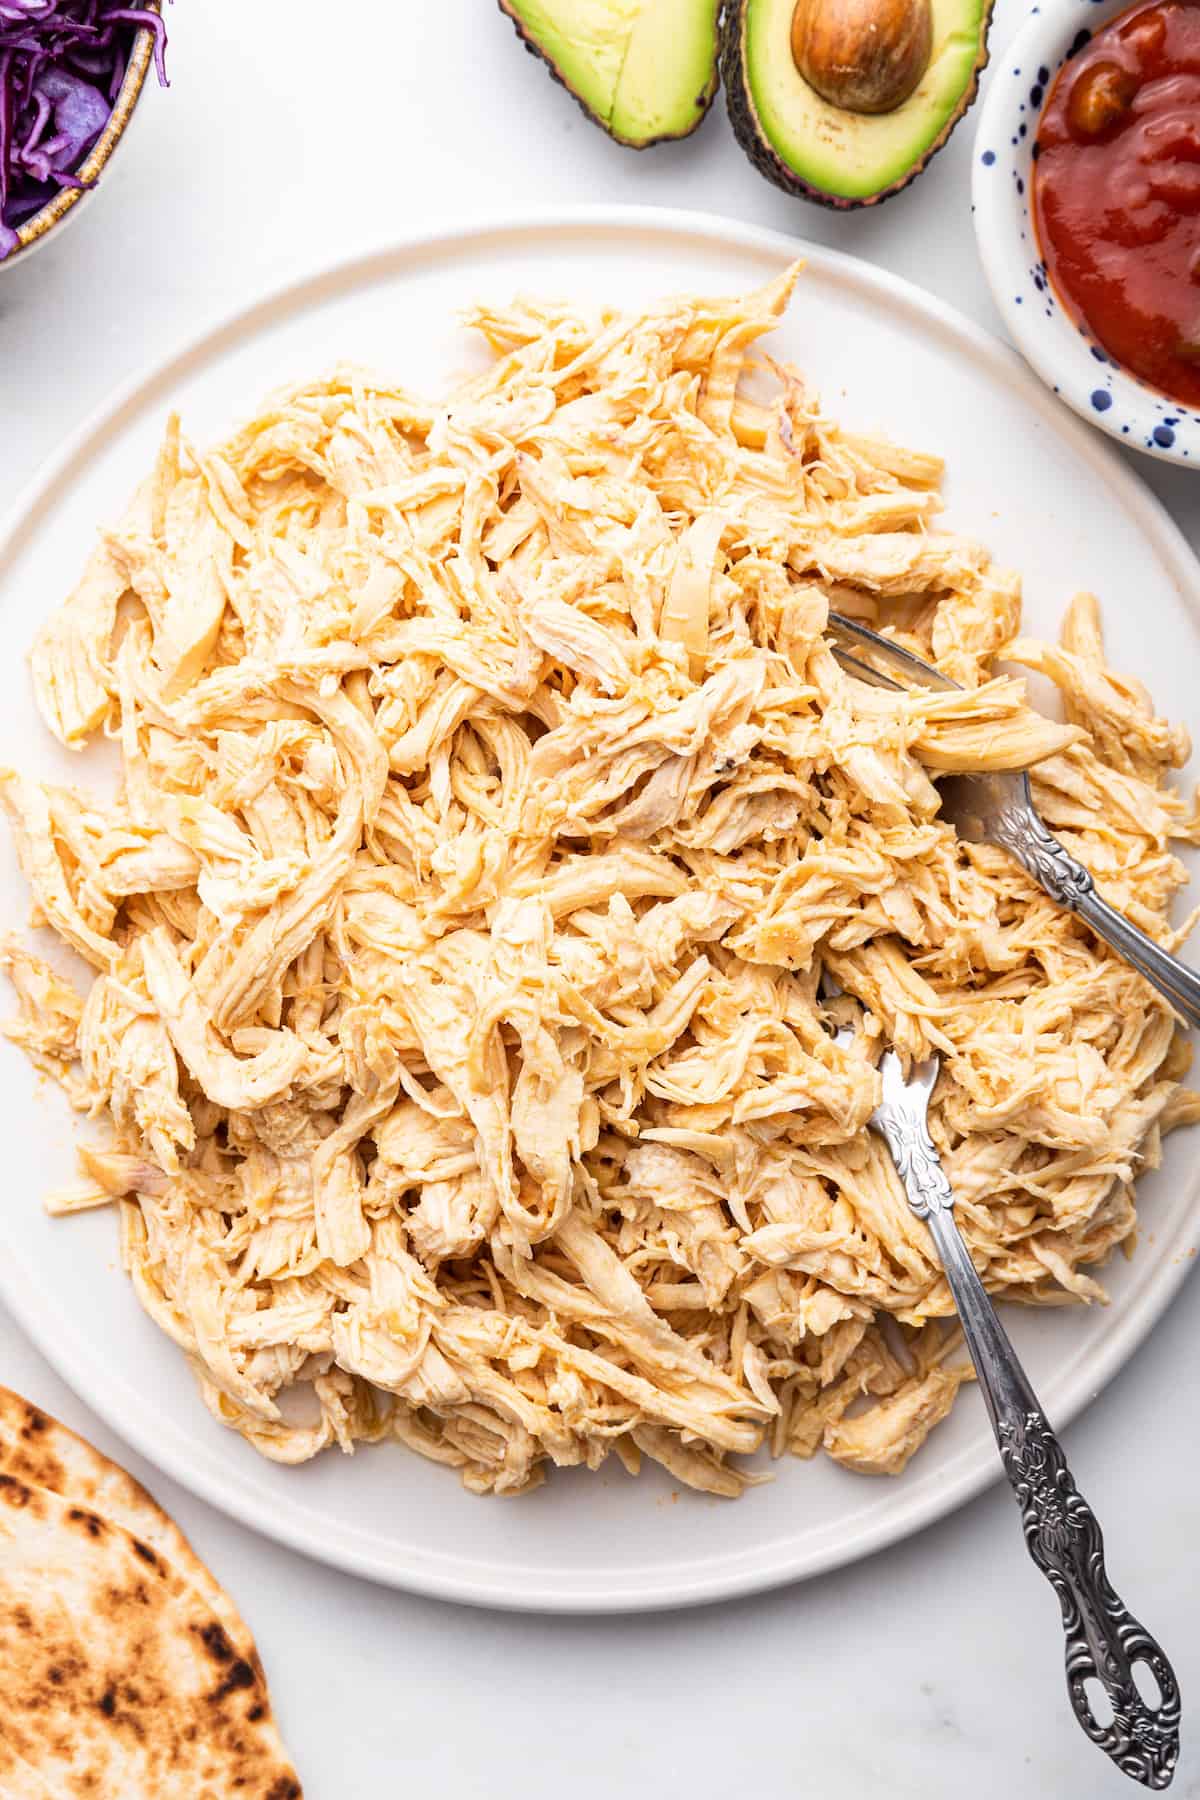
{"type": "Point", "coordinates": [294, 133]}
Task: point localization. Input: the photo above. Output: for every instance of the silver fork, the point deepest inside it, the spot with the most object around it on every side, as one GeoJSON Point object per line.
{"type": "Point", "coordinates": [998, 809]}
{"type": "Point", "coordinates": [1062, 1534]}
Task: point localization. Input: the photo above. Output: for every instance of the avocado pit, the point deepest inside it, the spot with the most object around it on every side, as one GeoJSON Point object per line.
{"type": "Point", "coordinates": [865, 56]}
{"type": "Point", "coordinates": [815, 131]}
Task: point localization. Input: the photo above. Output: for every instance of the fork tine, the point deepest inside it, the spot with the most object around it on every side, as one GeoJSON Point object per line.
{"type": "Point", "coordinates": [864, 671]}
{"type": "Point", "coordinates": [906, 1093]}
{"type": "Point", "coordinates": [828, 988]}
{"type": "Point", "coordinates": [862, 643]}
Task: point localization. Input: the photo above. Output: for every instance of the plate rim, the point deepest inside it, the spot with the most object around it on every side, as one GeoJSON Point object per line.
{"type": "Point", "coordinates": [700, 1581]}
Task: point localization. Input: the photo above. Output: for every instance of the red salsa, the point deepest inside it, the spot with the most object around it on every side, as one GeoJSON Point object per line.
{"type": "Point", "coordinates": [1117, 192]}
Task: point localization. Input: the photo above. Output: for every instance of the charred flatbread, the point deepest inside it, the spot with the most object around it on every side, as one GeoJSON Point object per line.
{"type": "Point", "coordinates": [121, 1680]}
{"type": "Point", "coordinates": [44, 1452]}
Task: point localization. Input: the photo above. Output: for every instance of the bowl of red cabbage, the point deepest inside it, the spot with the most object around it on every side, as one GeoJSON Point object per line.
{"type": "Point", "coordinates": [71, 73]}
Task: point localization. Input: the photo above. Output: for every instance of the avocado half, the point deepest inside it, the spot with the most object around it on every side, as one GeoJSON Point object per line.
{"type": "Point", "coordinates": [644, 70]}
{"type": "Point", "coordinates": [827, 153]}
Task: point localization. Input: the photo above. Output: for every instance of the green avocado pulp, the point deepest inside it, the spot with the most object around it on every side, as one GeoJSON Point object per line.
{"type": "Point", "coordinates": [644, 69]}
{"type": "Point", "coordinates": [856, 155]}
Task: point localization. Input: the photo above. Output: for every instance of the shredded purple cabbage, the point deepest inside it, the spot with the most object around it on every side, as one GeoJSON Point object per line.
{"type": "Point", "coordinates": [61, 67]}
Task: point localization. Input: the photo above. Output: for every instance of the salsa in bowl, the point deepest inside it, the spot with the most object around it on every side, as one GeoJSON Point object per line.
{"type": "Point", "coordinates": [1116, 192]}
{"type": "Point", "coordinates": [1086, 189]}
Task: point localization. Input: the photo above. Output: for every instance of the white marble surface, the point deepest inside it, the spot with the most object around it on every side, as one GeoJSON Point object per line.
{"type": "Point", "coordinates": [933, 1670]}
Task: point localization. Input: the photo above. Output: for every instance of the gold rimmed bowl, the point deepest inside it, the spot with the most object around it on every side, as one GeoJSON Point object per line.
{"type": "Point", "coordinates": [69, 201]}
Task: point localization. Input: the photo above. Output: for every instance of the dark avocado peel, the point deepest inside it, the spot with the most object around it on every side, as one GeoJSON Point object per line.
{"type": "Point", "coordinates": [884, 83]}
{"type": "Point", "coordinates": [644, 72]}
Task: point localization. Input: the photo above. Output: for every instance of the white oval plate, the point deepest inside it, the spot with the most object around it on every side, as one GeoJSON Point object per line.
{"type": "Point", "coordinates": [1048, 495]}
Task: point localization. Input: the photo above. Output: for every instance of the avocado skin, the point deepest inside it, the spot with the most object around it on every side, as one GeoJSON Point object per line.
{"type": "Point", "coordinates": [704, 99]}
{"type": "Point", "coordinates": [743, 116]}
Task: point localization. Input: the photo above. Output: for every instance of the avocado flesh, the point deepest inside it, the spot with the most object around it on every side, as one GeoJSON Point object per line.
{"type": "Point", "coordinates": [645, 70]}
{"type": "Point", "coordinates": [825, 152]}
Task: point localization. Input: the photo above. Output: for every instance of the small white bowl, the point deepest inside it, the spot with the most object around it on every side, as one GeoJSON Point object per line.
{"type": "Point", "coordinates": [1065, 355]}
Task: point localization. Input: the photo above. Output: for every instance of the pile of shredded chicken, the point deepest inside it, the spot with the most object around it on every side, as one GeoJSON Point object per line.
{"type": "Point", "coordinates": [491, 802]}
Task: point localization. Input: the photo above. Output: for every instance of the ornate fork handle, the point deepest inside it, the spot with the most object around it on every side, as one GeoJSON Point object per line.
{"type": "Point", "coordinates": [1062, 1534]}
{"type": "Point", "coordinates": [1020, 830]}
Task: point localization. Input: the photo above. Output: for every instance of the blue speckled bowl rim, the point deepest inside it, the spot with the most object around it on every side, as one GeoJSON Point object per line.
{"type": "Point", "coordinates": [1101, 391]}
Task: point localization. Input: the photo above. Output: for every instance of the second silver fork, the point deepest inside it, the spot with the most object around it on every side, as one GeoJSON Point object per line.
{"type": "Point", "coordinates": [1103, 1639]}
{"type": "Point", "coordinates": [997, 808]}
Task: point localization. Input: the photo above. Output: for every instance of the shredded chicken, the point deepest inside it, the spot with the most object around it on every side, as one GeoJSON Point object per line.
{"type": "Point", "coordinates": [491, 801]}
